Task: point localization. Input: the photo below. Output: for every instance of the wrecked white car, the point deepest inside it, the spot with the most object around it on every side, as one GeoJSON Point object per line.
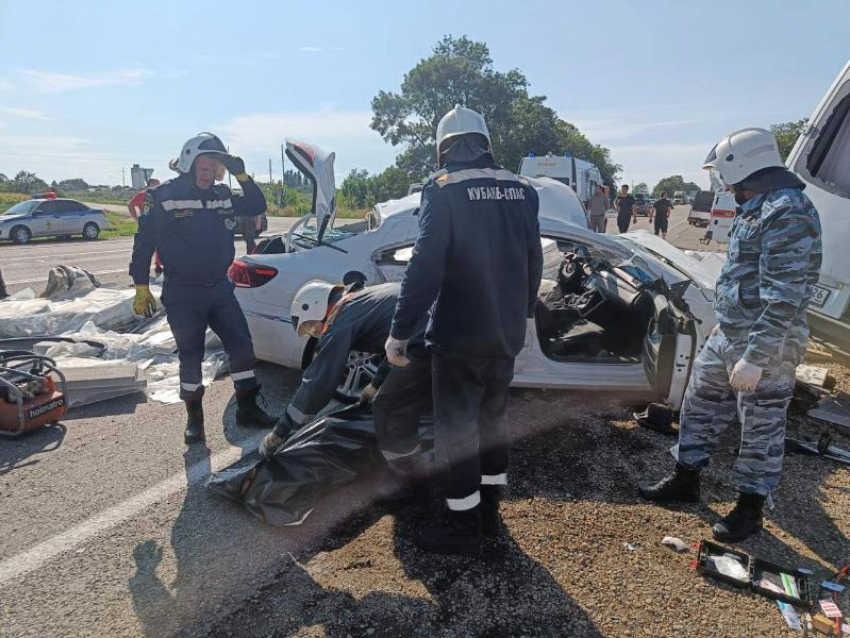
{"type": "Point", "coordinates": [615, 313]}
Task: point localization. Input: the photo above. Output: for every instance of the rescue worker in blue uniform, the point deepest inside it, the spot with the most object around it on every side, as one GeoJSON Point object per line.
{"type": "Point", "coordinates": [747, 367]}
{"type": "Point", "coordinates": [354, 318]}
{"type": "Point", "coordinates": [190, 221]}
{"type": "Point", "coordinates": [476, 266]}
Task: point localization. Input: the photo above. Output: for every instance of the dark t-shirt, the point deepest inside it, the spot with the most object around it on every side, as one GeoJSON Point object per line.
{"type": "Point", "coordinates": [662, 208]}
{"type": "Point", "coordinates": [625, 205]}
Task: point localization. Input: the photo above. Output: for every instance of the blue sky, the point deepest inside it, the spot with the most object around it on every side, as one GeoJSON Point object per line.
{"type": "Point", "coordinates": [87, 88]}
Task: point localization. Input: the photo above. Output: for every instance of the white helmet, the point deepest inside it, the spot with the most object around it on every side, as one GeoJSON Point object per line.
{"type": "Point", "coordinates": [742, 153]}
{"type": "Point", "coordinates": [461, 121]}
{"type": "Point", "coordinates": [311, 302]}
{"type": "Point", "coordinates": [201, 144]}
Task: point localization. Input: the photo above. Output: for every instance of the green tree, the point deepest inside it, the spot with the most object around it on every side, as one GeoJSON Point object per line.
{"type": "Point", "coordinates": [460, 71]}
{"type": "Point", "coordinates": [642, 188]}
{"type": "Point", "coordinates": [786, 134]}
{"type": "Point", "coordinates": [72, 185]}
{"type": "Point", "coordinates": [25, 182]}
{"type": "Point", "coordinates": [669, 185]}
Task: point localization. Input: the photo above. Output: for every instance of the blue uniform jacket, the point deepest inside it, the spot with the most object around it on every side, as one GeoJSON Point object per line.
{"type": "Point", "coordinates": [477, 260]}
{"type": "Point", "coordinates": [192, 229]}
{"type": "Point", "coordinates": [765, 286]}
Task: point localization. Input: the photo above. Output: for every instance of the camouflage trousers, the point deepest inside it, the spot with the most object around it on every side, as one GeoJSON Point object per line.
{"type": "Point", "coordinates": [710, 405]}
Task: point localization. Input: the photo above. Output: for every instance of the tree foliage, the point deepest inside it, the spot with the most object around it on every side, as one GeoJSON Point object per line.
{"type": "Point", "coordinates": [460, 71]}
{"type": "Point", "coordinates": [672, 184]}
{"type": "Point", "coordinates": [72, 185]}
{"type": "Point", "coordinates": [359, 189]}
{"type": "Point", "coordinates": [642, 188]}
{"type": "Point", "coordinates": [786, 134]}
{"type": "Point", "coordinates": [24, 182]}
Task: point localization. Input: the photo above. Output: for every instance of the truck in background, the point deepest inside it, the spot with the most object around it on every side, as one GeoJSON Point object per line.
{"type": "Point", "coordinates": [578, 174]}
{"type": "Point", "coordinates": [700, 213]}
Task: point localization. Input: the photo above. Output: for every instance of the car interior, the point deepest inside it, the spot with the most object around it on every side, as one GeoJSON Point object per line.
{"type": "Point", "coordinates": [593, 312]}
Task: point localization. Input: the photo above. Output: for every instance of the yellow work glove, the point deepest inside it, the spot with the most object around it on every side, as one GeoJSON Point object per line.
{"type": "Point", "coordinates": [144, 304]}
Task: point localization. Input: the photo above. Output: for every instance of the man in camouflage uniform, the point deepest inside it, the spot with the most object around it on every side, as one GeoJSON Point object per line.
{"type": "Point", "coordinates": [747, 367]}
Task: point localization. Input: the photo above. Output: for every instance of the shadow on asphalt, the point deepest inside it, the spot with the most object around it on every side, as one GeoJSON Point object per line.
{"type": "Point", "coordinates": [18, 452]}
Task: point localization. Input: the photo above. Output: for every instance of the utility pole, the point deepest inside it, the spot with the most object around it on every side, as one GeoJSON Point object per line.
{"type": "Point", "coordinates": [123, 179]}
{"type": "Point", "coordinates": [282, 165]}
{"type": "Point", "coordinates": [270, 172]}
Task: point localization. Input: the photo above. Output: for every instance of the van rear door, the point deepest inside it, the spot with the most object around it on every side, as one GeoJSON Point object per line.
{"type": "Point", "coordinates": [821, 158]}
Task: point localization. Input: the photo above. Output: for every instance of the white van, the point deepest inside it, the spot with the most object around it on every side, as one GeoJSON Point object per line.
{"type": "Point", "coordinates": [821, 158]}
{"type": "Point", "coordinates": [578, 174]}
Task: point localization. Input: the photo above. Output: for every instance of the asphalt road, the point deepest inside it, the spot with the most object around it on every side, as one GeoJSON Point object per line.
{"type": "Point", "coordinates": [107, 528]}
{"type": "Point", "coordinates": [25, 266]}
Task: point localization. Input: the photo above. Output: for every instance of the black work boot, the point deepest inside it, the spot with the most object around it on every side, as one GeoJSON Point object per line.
{"type": "Point", "coordinates": [680, 487]}
{"type": "Point", "coordinates": [461, 534]}
{"type": "Point", "coordinates": [195, 421]}
{"type": "Point", "coordinates": [248, 413]}
{"type": "Point", "coordinates": [491, 521]}
{"type": "Point", "coordinates": [741, 522]}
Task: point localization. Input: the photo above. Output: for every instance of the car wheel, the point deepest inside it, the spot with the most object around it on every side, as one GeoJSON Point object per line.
{"type": "Point", "coordinates": [91, 231]}
{"type": "Point", "coordinates": [20, 235]}
{"type": "Point", "coordinates": [360, 371]}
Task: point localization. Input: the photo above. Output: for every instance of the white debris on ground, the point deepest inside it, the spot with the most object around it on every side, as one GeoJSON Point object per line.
{"type": "Point", "coordinates": [77, 310]}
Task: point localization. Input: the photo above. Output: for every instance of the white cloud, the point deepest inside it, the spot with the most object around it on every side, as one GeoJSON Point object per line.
{"type": "Point", "coordinates": [58, 157]}
{"type": "Point", "coordinates": [6, 86]}
{"type": "Point", "coordinates": [28, 114]}
{"type": "Point", "coordinates": [311, 49]}
{"type": "Point", "coordinates": [51, 82]}
{"type": "Point", "coordinates": [259, 137]}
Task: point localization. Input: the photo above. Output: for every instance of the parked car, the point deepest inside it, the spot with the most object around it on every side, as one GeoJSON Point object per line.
{"type": "Point", "coordinates": [626, 312]}
{"type": "Point", "coordinates": [641, 205]}
{"type": "Point", "coordinates": [51, 218]}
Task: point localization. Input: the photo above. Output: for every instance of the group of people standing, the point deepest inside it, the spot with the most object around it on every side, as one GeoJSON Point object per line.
{"type": "Point", "coordinates": [452, 329]}
{"type": "Point", "coordinates": [624, 206]}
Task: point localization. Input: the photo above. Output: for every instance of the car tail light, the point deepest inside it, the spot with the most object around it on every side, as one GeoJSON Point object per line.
{"type": "Point", "coordinates": [246, 275]}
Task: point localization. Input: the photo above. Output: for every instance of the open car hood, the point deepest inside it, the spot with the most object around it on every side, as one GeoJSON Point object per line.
{"type": "Point", "coordinates": [318, 166]}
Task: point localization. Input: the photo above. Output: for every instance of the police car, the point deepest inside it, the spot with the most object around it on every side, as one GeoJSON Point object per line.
{"type": "Point", "coordinates": [51, 218]}
{"type": "Point", "coordinates": [626, 312]}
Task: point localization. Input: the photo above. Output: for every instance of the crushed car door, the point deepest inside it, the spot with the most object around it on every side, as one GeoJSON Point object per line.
{"type": "Point", "coordinates": [318, 166]}
{"type": "Point", "coordinates": [668, 350]}
{"type": "Point", "coordinates": [392, 261]}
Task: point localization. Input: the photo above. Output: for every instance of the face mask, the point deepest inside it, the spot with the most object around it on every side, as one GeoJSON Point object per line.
{"type": "Point", "coordinates": [740, 198]}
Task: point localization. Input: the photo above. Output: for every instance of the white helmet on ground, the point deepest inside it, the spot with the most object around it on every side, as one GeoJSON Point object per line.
{"type": "Point", "coordinates": [201, 144]}
{"type": "Point", "coordinates": [461, 121]}
{"type": "Point", "coordinates": [742, 153]}
{"type": "Point", "coordinates": [311, 303]}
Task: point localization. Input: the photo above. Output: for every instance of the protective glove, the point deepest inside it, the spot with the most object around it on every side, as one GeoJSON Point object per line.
{"type": "Point", "coordinates": [368, 394]}
{"type": "Point", "coordinates": [270, 443]}
{"type": "Point", "coordinates": [396, 350]}
{"type": "Point", "coordinates": [234, 164]}
{"type": "Point", "coordinates": [144, 304]}
{"type": "Point", "coordinates": [745, 376]}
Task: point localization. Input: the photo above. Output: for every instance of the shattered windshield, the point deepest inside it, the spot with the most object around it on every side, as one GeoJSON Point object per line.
{"type": "Point", "coordinates": [305, 236]}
